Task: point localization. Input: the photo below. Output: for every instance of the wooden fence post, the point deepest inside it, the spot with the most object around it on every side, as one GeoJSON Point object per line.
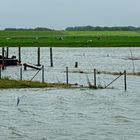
{"type": "Point", "coordinates": [38, 52]}
{"type": "Point", "coordinates": [7, 52]}
{"type": "Point", "coordinates": [3, 61]}
{"type": "Point", "coordinates": [125, 84]}
{"type": "Point", "coordinates": [42, 74]}
{"type": "Point", "coordinates": [19, 53]}
{"type": "Point", "coordinates": [67, 76]}
{"type": "Point", "coordinates": [95, 77]}
{"type": "Point", "coordinates": [76, 64]}
{"type": "Point", "coordinates": [51, 57]}
{"type": "Point", "coordinates": [0, 72]}
{"type": "Point", "coordinates": [21, 73]}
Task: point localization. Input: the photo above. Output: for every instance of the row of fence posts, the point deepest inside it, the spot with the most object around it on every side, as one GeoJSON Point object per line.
{"type": "Point", "coordinates": [21, 74]}
{"type": "Point", "coordinates": [19, 56]}
{"type": "Point", "coordinates": [95, 73]}
{"type": "Point", "coordinates": [51, 64]}
{"type": "Point", "coordinates": [51, 57]}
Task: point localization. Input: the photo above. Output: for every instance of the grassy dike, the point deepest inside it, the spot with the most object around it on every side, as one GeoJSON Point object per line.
{"type": "Point", "coordinates": [7, 83]}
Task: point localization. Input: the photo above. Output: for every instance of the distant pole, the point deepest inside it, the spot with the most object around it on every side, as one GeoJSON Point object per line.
{"type": "Point", "coordinates": [125, 84]}
{"type": "Point", "coordinates": [95, 77]}
{"type": "Point", "coordinates": [42, 74]}
{"type": "Point", "coordinates": [19, 53]}
{"type": "Point", "coordinates": [51, 57]}
{"type": "Point", "coordinates": [38, 52]}
{"type": "Point", "coordinates": [3, 59]}
{"type": "Point", "coordinates": [21, 73]}
{"type": "Point", "coordinates": [7, 52]}
{"type": "Point", "coordinates": [67, 76]}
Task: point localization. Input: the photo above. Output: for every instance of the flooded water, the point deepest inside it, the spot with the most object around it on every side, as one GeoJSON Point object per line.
{"type": "Point", "coordinates": [78, 114]}
{"type": "Point", "coordinates": [73, 114]}
{"type": "Point", "coordinates": [102, 59]}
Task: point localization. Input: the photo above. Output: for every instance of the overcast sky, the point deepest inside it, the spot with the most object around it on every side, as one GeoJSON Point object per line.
{"type": "Point", "coordinates": [59, 14]}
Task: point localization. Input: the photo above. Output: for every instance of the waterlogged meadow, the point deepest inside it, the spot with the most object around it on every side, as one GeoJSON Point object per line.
{"type": "Point", "coordinates": [70, 38]}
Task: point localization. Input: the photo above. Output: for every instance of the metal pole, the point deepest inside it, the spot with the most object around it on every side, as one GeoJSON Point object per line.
{"type": "Point", "coordinates": [67, 76]}
{"type": "Point", "coordinates": [125, 84]}
{"type": "Point", "coordinates": [51, 57]}
{"type": "Point", "coordinates": [42, 74]}
{"type": "Point", "coordinates": [38, 64]}
{"type": "Point", "coordinates": [21, 73]}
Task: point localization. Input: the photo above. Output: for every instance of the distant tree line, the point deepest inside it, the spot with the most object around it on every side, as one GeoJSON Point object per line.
{"type": "Point", "coordinates": [98, 28]}
{"type": "Point", "coordinates": [30, 29]}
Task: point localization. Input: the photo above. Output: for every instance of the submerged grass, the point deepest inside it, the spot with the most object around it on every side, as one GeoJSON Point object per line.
{"type": "Point", "coordinates": [7, 83]}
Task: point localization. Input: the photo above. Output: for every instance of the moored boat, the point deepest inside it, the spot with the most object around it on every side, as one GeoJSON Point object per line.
{"type": "Point", "coordinates": [9, 61]}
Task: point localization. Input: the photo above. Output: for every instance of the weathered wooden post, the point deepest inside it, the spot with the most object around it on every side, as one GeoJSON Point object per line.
{"type": "Point", "coordinates": [38, 52]}
{"type": "Point", "coordinates": [3, 63]}
{"type": "Point", "coordinates": [21, 73]}
{"type": "Point", "coordinates": [95, 77]}
{"type": "Point", "coordinates": [67, 76]}
{"type": "Point", "coordinates": [51, 57]}
{"type": "Point", "coordinates": [42, 74]}
{"type": "Point", "coordinates": [7, 52]}
{"type": "Point", "coordinates": [125, 84]}
{"type": "Point", "coordinates": [19, 53]}
{"type": "Point", "coordinates": [76, 64]}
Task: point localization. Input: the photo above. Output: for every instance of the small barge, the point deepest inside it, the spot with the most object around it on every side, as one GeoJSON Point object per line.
{"type": "Point", "coordinates": [9, 61]}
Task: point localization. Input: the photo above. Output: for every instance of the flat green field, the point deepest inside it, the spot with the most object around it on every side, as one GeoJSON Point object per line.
{"type": "Point", "coordinates": [69, 38]}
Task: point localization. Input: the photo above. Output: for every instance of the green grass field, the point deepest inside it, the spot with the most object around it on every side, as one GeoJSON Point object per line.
{"type": "Point", "coordinates": [69, 38]}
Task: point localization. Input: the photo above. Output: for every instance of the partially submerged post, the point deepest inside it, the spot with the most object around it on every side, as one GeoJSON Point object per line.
{"type": "Point", "coordinates": [19, 54]}
{"type": "Point", "coordinates": [42, 74]}
{"type": "Point", "coordinates": [21, 73]}
{"type": "Point", "coordinates": [95, 77]}
{"type": "Point", "coordinates": [0, 72]}
{"type": "Point", "coordinates": [25, 66]}
{"type": "Point", "coordinates": [76, 64]}
{"type": "Point", "coordinates": [38, 52]}
{"type": "Point", "coordinates": [51, 57]}
{"type": "Point", "coordinates": [125, 84]}
{"type": "Point", "coordinates": [3, 61]}
{"type": "Point", "coordinates": [7, 52]}
{"type": "Point", "coordinates": [67, 76]}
